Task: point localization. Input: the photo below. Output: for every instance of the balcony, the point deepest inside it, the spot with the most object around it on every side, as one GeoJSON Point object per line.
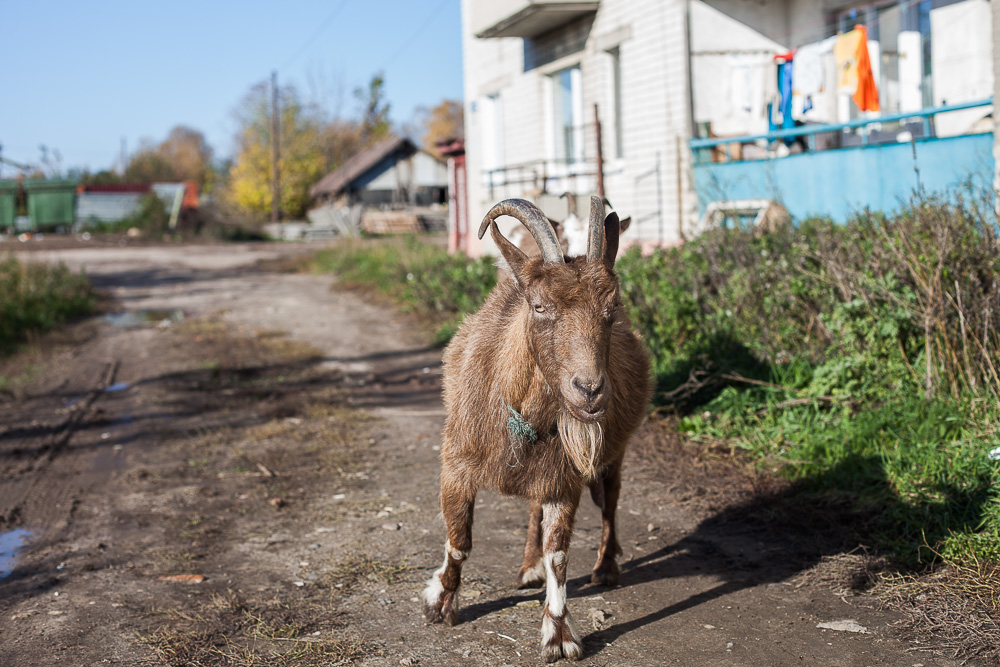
{"type": "Point", "coordinates": [526, 19]}
{"type": "Point", "coordinates": [842, 181]}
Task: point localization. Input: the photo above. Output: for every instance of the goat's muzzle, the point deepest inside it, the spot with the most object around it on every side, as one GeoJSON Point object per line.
{"type": "Point", "coordinates": [587, 397]}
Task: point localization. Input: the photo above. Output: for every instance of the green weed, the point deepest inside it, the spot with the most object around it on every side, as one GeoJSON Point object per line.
{"type": "Point", "coordinates": [35, 298]}
{"type": "Point", "coordinates": [420, 277]}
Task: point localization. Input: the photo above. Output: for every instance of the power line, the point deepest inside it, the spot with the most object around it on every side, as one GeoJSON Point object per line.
{"type": "Point", "coordinates": [319, 31]}
{"type": "Point", "coordinates": [416, 33]}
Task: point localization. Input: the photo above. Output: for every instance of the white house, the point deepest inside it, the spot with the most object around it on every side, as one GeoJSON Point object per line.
{"type": "Point", "coordinates": [689, 100]}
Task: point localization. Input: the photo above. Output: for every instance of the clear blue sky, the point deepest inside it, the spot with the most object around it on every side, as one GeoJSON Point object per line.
{"type": "Point", "coordinates": [79, 76]}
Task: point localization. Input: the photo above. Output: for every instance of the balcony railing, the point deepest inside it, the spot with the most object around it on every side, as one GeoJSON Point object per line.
{"type": "Point", "coordinates": [923, 116]}
{"type": "Point", "coordinates": [540, 177]}
{"type": "Point", "coordinates": [873, 168]}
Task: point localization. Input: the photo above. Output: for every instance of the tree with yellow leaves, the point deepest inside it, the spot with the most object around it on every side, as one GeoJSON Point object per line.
{"type": "Point", "coordinates": [301, 162]}
{"type": "Point", "coordinates": [443, 122]}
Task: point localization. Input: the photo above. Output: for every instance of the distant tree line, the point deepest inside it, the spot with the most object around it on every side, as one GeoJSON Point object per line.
{"type": "Point", "coordinates": [313, 141]}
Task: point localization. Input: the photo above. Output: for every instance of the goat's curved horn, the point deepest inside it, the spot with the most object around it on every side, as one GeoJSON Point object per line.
{"type": "Point", "coordinates": [570, 201]}
{"type": "Point", "coordinates": [595, 235]}
{"type": "Point", "coordinates": [534, 220]}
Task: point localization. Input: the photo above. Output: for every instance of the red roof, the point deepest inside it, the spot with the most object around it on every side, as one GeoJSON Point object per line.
{"type": "Point", "coordinates": [115, 187]}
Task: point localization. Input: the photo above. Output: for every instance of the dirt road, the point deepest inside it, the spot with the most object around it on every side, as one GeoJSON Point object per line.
{"type": "Point", "coordinates": [277, 442]}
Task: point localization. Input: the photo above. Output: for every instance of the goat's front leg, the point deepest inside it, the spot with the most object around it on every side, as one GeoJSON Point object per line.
{"type": "Point", "coordinates": [560, 638]}
{"type": "Point", "coordinates": [441, 594]}
{"type": "Point", "coordinates": [605, 491]}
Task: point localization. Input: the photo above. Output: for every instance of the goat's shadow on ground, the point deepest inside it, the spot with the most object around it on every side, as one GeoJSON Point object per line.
{"type": "Point", "coordinates": [770, 538]}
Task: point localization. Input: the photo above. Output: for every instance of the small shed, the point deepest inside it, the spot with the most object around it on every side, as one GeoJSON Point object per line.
{"type": "Point", "coordinates": [392, 173]}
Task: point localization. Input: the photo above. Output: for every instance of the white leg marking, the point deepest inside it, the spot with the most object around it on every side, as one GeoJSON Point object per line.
{"type": "Point", "coordinates": [435, 589]}
{"type": "Point", "coordinates": [535, 573]}
{"type": "Point", "coordinates": [555, 594]}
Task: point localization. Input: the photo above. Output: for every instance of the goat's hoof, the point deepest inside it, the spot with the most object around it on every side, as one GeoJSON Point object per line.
{"type": "Point", "coordinates": [441, 607]}
{"type": "Point", "coordinates": [560, 638]}
{"type": "Point", "coordinates": [531, 577]}
{"type": "Point", "coordinates": [605, 574]}
{"type": "Point", "coordinates": [569, 650]}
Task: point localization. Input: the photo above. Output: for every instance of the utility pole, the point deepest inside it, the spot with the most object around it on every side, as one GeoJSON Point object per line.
{"type": "Point", "coordinates": [275, 151]}
{"type": "Point", "coordinates": [124, 157]}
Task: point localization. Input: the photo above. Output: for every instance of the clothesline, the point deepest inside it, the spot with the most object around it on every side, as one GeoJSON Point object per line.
{"type": "Point", "coordinates": [818, 30]}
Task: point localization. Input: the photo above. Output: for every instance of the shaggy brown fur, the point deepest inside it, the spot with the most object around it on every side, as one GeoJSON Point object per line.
{"type": "Point", "coordinates": [554, 343]}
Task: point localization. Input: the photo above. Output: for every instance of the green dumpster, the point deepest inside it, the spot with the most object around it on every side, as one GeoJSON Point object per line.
{"type": "Point", "coordinates": [8, 202]}
{"type": "Point", "coordinates": [51, 203]}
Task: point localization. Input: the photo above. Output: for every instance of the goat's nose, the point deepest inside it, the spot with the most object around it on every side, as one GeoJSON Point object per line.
{"type": "Point", "coordinates": [589, 388]}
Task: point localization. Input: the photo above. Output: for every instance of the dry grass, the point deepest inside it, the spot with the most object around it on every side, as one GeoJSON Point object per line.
{"type": "Point", "coordinates": [955, 609]}
{"type": "Point", "coordinates": [231, 629]}
{"type": "Point", "coordinates": [844, 573]}
{"type": "Point", "coordinates": [358, 569]}
{"type": "Point", "coordinates": [706, 476]}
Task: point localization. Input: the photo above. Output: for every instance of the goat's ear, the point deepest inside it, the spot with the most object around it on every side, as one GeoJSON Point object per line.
{"type": "Point", "coordinates": [623, 225]}
{"type": "Point", "coordinates": [611, 233]}
{"type": "Point", "coordinates": [513, 255]}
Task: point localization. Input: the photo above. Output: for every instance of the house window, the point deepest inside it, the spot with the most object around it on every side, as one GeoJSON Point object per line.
{"type": "Point", "coordinates": [616, 101]}
{"type": "Point", "coordinates": [567, 116]}
{"type": "Point", "coordinates": [491, 133]}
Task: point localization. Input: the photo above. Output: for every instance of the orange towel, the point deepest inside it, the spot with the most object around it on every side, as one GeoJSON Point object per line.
{"type": "Point", "coordinates": [855, 69]}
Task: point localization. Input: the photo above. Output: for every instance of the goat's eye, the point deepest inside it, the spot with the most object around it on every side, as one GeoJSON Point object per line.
{"type": "Point", "coordinates": [539, 308]}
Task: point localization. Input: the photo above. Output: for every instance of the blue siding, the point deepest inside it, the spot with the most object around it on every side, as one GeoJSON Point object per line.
{"type": "Point", "coordinates": [837, 183]}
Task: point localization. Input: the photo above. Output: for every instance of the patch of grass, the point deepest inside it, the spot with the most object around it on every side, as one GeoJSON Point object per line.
{"type": "Point", "coordinates": [959, 603]}
{"type": "Point", "coordinates": [327, 433]}
{"type": "Point", "coordinates": [358, 569]}
{"type": "Point", "coordinates": [420, 277]}
{"type": "Point", "coordinates": [229, 628]}
{"type": "Point", "coordinates": [35, 298]}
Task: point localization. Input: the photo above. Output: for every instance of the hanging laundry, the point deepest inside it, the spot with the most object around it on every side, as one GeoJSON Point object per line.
{"type": "Point", "coordinates": [809, 82]}
{"type": "Point", "coordinates": [855, 69]}
{"type": "Point", "coordinates": [866, 96]}
{"type": "Point", "coordinates": [736, 102]}
{"type": "Point", "coordinates": [785, 91]}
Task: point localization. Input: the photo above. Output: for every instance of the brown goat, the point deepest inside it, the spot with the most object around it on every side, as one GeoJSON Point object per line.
{"type": "Point", "coordinates": [543, 388]}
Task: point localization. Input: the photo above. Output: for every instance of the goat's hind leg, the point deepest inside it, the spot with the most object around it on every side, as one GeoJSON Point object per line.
{"type": "Point", "coordinates": [532, 573]}
{"type": "Point", "coordinates": [441, 594]}
{"type": "Point", "coordinates": [605, 491]}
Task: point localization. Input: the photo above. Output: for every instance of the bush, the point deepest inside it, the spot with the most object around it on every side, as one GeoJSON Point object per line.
{"type": "Point", "coordinates": [35, 298]}
{"type": "Point", "coordinates": [869, 348]}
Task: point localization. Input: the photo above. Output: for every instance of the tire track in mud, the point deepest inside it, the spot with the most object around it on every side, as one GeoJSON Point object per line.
{"type": "Point", "coordinates": [29, 497]}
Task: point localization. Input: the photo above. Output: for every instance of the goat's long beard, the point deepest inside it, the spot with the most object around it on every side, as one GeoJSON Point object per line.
{"type": "Point", "coordinates": [583, 443]}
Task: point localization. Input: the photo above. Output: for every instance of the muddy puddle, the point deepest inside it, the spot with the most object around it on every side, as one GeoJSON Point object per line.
{"type": "Point", "coordinates": [115, 388]}
{"type": "Point", "coordinates": [131, 319]}
{"type": "Point", "coordinates": [10, 543]}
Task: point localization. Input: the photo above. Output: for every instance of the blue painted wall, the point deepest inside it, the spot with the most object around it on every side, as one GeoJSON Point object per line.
{"type": "Point", "coordinates": [837, 183]}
